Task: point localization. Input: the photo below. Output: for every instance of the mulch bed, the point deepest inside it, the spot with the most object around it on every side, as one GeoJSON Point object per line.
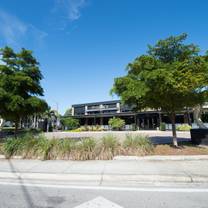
{"type": "Point", "coordinates": [185, 148]}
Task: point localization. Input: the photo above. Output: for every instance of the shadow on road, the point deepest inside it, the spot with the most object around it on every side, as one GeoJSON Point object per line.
{"type": "Point", "coordinates": [50, 201]}
{"type": "Point", "coordinates": [166, 139]}
{"type": "Point", "coordinates": [25, 192]}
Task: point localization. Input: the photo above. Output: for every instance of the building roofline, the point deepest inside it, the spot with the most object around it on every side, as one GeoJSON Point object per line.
{"type": "Point", "coordinates": [97, 103]}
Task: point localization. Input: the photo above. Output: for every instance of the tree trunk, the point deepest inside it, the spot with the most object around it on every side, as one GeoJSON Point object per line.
{"type": "Point", "coordinates": [197, 117]}
{"type": "Point", "coordinates": [47, 127]}
{"type": "Point", "coordinates": [1, 122]}
{"type": "Point", "coordinates": [16, 129]}
{"type": "Point", "coordinates": [175, 142]}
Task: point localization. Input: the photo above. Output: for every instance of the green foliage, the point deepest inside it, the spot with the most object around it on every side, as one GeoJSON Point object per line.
{"type": "Point", "coordinates": [66, 146]}
{"type": "Point", "coordinates": [173, 49]}
{"type": "Point", "coordinates": [162, 126]}
{"type": "Point", "coordinates": [20, 87]}
{"type": "Point", "coordinates": [70, 123]}
{"type": "Point", "coordinates": [30, 146]}
{"type": "Point", "coordinates": [86, 149]}
{"type": "Point", "coordinates": [170, 77]}
{"type": "Point", "coordinates": [109, 147]}
{"type": "Point", "coordinates": [88, 128]}
{"type": "Point", "coordinates": [138, 142]}
{"type": "Point", "coordinates": [184, 127]}
{"type": "Point", "coordinates": [110, 142]}
{"type": "Point", "coordinates": [116, 123]}
{"type": "Point", "coordinates": [12, 147]}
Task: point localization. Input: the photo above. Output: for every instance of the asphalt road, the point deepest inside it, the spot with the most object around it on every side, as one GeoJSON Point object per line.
{"type": "Point", "coordinates": [14, 195]}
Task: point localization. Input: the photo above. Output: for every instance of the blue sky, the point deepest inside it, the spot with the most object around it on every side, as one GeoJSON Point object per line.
{"type": "Point", "coordinates": [83, 44]}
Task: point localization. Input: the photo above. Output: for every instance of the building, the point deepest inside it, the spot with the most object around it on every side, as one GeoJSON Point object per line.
{"type": "Point", "coordinates": [99, 113]}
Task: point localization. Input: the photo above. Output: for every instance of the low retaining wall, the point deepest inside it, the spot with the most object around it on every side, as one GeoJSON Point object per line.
{"type": "Point", "coordinates": [156, 136]}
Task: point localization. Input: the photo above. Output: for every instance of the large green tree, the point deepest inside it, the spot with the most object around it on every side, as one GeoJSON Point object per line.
{"type": "Point", "coordinates": [170, 77]}
{"type": "Point", "coordinates": [20, 87]}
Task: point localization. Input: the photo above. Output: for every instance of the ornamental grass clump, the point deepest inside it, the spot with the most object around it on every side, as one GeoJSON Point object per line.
{"type": "Point", "coordinates": [38, 147]}
{"type": "Point", "coordinates": [137, 145]}
{"type": "Point", "coordinates": [85, 150]}
{"type": "Point", "coordinates": [29, 143]}
{"type": "Point", "coordinates": [12, 147]}
{"type": "Point", "coordinates": [109, 147]}
{"type": "Point", "coordinates": [66, 148]}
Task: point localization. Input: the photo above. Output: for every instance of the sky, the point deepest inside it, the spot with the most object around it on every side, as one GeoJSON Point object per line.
{"type": "Point", "coordinates": [82, 45]}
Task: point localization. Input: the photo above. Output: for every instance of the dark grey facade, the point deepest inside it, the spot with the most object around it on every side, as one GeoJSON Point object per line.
{"type": "Point", "coordinates": [99, 113]}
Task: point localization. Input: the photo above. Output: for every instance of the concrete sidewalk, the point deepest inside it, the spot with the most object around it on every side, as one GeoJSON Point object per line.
{"type": "Point", "coordinates": [117, 172]}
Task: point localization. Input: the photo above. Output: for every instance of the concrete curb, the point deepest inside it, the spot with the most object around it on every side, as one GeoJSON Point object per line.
{"type": "Point", "coordinates": [146, 158]}
{"type": "Point", "coordinates": [163, 158]}
{"type": "Point", "coordinates": [14, 157]}
{"type": "Point", "coordinates": [103, 179]}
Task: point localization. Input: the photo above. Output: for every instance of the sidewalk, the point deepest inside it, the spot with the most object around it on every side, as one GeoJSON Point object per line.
{"type": "Point", "coordinates": [119, 172]}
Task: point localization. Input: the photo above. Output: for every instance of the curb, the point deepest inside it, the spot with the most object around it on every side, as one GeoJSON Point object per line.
{"type": "Point", "coordinates": [144, 158]}
{"type": "Point", "coordinates": [163, 158]}
{"type": "Point", "coordinates": [14, 157]}
{"type": "Point", "coordinates": [104, 179]}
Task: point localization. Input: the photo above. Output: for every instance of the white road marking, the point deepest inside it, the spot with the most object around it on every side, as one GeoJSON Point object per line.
{"type": "Point", "coordinates": [109, 188]}
{"type": "Point", "coordinates": [99, 202]}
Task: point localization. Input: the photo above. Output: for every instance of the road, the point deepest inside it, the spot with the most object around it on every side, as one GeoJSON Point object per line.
{"type": "Point", "coordinates": [144, 183]}
{"type": "Point", "coordinates": [28, 195]}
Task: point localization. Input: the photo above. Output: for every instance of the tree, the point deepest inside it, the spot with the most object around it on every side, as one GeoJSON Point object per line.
{"type": "Point", "coordinates": [70, 123]}
{"type": "Point", "coordinates": [49, 117]}
{"type": "Point", "coordinates": [116, 123]}
{"type": "Point", "coordinates": [20, 87]}
{"type": "Point", "coordinates": [171, 77]}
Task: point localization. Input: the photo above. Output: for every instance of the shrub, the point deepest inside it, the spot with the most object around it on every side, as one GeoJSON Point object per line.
{"type": "Point", "coordinates": [137, 144]}
{"type": "Point", "coordinates": [162, 127]}
{"type": "Point", "coordinates": [66, 147]}
{"type": "Point", "coordinates": [88, 128]}
{"type": "Point", "coordinates": [1, 148]}
{"type": "Point", "coordinates": [116, 123]}
{"type": "Point", "coordinates": [183, 127]}
{"type": "Point", "coordinates": [109, 147]}
{"type": "Point", "coordinates": [11, 147]}
{"type": "Point", "coordinates": [70, 123]}
{"type": "Point", "coordinates": [30, 146]}
{"type": "Point", "coordinates": [85, 150]}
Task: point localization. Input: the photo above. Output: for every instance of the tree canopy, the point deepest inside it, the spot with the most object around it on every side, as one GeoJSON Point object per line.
{"type": "Point", "coordinates": [20, 86]}
{"type": "Point", "coordinates": [70, 123]}
{"type": "Point", "coordinates": [170, 77]}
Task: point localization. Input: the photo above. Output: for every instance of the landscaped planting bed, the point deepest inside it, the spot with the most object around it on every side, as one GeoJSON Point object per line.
{"type": "Point", "coordinates": [38, 147]}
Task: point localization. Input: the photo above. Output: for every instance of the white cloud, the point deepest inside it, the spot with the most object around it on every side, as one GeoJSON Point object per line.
{"type": "Point", "coordinates": [70, 8]}
{"type": "Point", "coordinates": [16, 32]}
{"type": "Point", "coordinates": [74, 9]}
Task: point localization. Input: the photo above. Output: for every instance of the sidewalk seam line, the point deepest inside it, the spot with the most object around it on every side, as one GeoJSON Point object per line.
{"type": "Point", "coordinates": [102, 174]}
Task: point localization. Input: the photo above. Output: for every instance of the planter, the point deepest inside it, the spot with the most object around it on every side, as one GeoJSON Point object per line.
{"type": "Point", "coordinates": [199, 136]}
